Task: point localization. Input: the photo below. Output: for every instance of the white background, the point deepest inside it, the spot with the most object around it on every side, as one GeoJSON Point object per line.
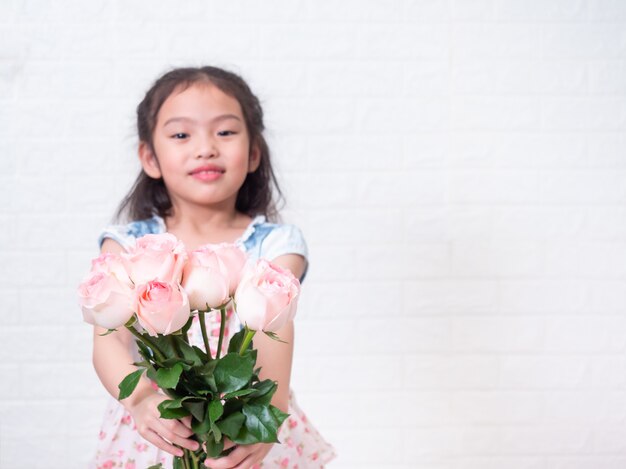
{"type": "Point", "coordinates": [458, 169]}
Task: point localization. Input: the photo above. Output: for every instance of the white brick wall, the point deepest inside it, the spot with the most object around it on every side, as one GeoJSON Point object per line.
{"type": "Point", "coordinates": [458, 167]}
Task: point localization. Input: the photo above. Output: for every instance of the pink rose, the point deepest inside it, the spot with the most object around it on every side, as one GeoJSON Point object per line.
{"type": "Point", "coordinates": [105, 300]}
{"type": "Point", "coordinates": [233, 260]}
{"type": "Point", "coordinates": [266, 298]}
{"type": "Point", "coordinates": [112, 264]}
{"type": "Point", "coordinates": [212, 274]}
{"type": "Point", "coordinates": [162, 308]}
{"type": "Point", "coordinates": [156, 257]}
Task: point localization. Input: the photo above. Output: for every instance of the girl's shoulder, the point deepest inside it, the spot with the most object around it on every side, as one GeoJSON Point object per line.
{"type": "Point", "coordinates": [270, 240]}
{"type": "Point", "coordinates": [127, 234]}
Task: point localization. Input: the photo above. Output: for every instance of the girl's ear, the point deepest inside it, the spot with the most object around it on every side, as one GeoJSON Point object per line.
{"type": "Point", "coordinates": [148, 161]}
{"type": "Point", "coordinates": [255, 159]}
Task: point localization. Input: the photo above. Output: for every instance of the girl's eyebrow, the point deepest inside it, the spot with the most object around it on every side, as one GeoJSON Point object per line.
{"type": "Point", "coordinates": [215, 119]}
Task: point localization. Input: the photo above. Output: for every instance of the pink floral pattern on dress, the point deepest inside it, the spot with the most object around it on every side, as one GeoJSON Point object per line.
{"type": "Point", "coordinates": [121, 446]}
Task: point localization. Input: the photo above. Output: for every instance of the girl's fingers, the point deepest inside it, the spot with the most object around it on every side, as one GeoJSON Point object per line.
{"type": "Point", "coordinates": [234, 459]}
{"type": "Point", "coordinates": [173, 437]}
{"type": "Point", "coordinates": [186, 421]}
{"type": "Point", "coordinates": [247, 463]}
{"type": "Point", "coordinates": [160, 443]}
{"type": "Point", "coordinates": [177, 427]}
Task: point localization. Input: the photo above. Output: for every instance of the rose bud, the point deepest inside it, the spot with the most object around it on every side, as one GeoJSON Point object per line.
{"type": "Point", "coordinates": [105, 300]}
{"type": "Point", "coordinates": [156, 257]}
{"type": "Point", "coordinates": [266, 298]}
{"type": "Point", "coordinates": [212, 274]}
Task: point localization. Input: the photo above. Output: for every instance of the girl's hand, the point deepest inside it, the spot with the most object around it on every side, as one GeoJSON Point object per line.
{"type": "Point", "coordinates": [162, 433]}
{"type": "Point", "coordinates": [242, 457]}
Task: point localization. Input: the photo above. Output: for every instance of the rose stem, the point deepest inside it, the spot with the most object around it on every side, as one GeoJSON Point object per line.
{"type": "Point", "coordinates": [194, 460]}
{"type": "Point", "coordinates": [246, 340]}
{"type": "Point", "coordinates": [147, 339]}
{"type": "Point", "coordinates": [205, 339]}
{"type": "Point", "coordinates": [222, 325]}
{"type": "Point", "coordinates": [186, 461]}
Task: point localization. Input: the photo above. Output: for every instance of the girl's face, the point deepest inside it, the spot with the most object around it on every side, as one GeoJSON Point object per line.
{"type": "Point", "coordinates": [202, 147]}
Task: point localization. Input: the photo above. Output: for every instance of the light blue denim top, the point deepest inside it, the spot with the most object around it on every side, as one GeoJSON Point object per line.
{"type": "Point", "coordinates": [260, 239]}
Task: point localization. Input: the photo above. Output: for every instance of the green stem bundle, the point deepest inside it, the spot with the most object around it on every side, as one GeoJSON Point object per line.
{"type": "Point", "coordinates": [146, 338]}
{"type": "Point", "coordinates": [222, 326]}
{"type": "Point", "coordinates": [205, 337]}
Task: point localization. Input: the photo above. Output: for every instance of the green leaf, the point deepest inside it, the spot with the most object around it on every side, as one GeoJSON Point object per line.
{"type": "Point", "coordinates": [170, 362]}
{"type": "Point", "coordinates": [231, 425]}
{"type": "Point", "coordinates": [172, 403]}
{"type": "Point", "coordinates": [208, 368]}
{"type": "Point", "coordinates": [274, 336]}
{"type": "Point", "coordinates": [201, 353]}
{"type": "Point", "coordinates": [244, 437]}
{"type": "Point", "coordinates": [261, 423]}
{"type": "Point", "coordinates": [279, 415]}
{"type": "Point", "coordinates": [156, 466]}
{"type": "Point", "coordinates": [144, 350]}
{"type": "Point", "coordinates": [216, 409]}
{"type": "Point", "coordinates": [263, 392]}
{"type": "Point", "coordinates": [242, 392]}
{"type": "Point", "coordinates": [172, 409]}
{"type": "Point", "coordinates": [216, 432]}
{"type": "Point", "coordinates": [164, 345]}
{"type": "Point", "coordinates": [109, 331]}
{"type": "Point", "coordinates": [235, 342]}
{"type": "Point", "coordinates": [231, 406]}
{"type": "Point", "coordinates": [190, 354]}
{"type": "Point", "coordinates": [196, 407]}
{"type": "Point", "coordinates": [168, 377]}
{"type": "Point", "coordinates": [151, 373]}
{"type": "Point", "coordinates": [214, 448]}
{"type": "Point", "coordinates": [233, 372]}
{"type": "Point", "coordinates": [201, 429]}
{"type": "Point", "coordinates": [187, 325]}
{"type": "Point", "coordinates": [210, 382]}
{"type": "Point", "coordinates": [207, 376]}
{"type": "Point", "coordinates": [128, 384]}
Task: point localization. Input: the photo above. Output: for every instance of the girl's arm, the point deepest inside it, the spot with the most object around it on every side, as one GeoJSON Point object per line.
{"type": "Point", "coordinates": [112, 360]}
{"type": "Point", "coordinates": [275, 358]}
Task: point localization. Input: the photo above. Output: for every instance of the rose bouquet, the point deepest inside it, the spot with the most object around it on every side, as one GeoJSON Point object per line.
{"type": "Point", "coordinates": [155, 291]}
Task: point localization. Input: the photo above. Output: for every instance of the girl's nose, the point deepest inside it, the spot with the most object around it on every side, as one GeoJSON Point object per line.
{"type": "Point", "coordinates": [206, 148]}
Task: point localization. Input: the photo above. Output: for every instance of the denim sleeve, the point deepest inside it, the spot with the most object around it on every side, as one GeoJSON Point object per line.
{"type": "Point", "coordinates": [126, 235]}
{"type": "Point", "coordinates": [285, 239]}
{"type": "Point", "coordinates": [117, 233]}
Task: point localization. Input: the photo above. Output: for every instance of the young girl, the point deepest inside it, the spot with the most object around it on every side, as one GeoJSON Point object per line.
{"type": "Point", "coordinates": [206, 178]}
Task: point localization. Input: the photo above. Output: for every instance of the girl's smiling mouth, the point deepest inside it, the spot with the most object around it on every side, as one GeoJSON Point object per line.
{"type": "Point", "coordinates": [207, 172]}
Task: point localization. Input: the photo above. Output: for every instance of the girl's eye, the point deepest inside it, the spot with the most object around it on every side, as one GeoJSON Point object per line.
{"type": "Point", "coordinates": [180, 135]}
{"type": "Point", "coordinates": [226, 133]}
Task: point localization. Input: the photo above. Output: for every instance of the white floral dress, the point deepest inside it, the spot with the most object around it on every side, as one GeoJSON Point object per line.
{"type": "Point", "coordinates": [301, 447]}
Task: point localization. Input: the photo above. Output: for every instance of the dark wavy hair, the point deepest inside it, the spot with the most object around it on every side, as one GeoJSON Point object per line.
{"type": "Point", "coordinates": [149, 196]}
